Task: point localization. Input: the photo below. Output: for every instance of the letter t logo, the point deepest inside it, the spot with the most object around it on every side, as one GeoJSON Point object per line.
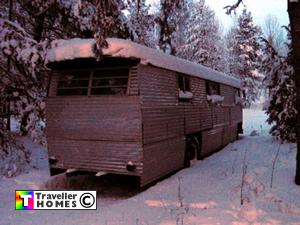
{"type": "Point", "coordinates": [25, 199]}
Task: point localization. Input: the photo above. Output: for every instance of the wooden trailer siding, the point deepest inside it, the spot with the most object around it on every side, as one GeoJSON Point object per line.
{"type": "Point", "coordinates": [229, 95]}
{"type": "Point", "coordinates": [199, 92]}
{"type": "Point", "coordinates": [220, 115]}
{"type": "Point", "coordinates": [236, 114]}
{"type": "Point", "coordinates": [133, 82]}
{"type": "Point", "coordinates": [96, 155]}
{"type": "Point", "coordinates": [192, 118]}
{"type": "Point", "coordinates": [198, 112]}
{"type": "Point", "coordinates": [162, 123]}
{"type": "Point", "coordinates": [146, 124]}
{"type": "Point", "coordinates": [96, 118]}
{"type": "Point", "coordinates": [212, 140]}
{"type": "Point", "coordinates": [53, 84]}
{"type": "Point", "coordinates": [158, 87]}
{"type": "Point", "coordinates": [216, 138]}
{"type": "Point", "coordinates": [95, 133]}
{"type": "Point", "coordinates": [206, 118]}
{"type": "Point", "coordinates": [162, 158]}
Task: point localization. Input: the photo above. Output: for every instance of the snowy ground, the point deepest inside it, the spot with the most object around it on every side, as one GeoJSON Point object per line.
{"type": "Point", "coordinates": [210, 192]}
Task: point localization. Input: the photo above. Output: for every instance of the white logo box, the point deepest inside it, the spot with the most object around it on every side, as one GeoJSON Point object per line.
{"type": "Point", "coordinates": [84, 200]}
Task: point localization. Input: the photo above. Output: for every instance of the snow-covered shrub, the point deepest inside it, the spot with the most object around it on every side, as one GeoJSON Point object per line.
{"type": "Point", "coordinates": [14, 159]}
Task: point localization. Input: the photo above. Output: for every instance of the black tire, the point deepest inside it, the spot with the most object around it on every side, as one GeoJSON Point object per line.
{"type": "Point", "coordinates": [192, 150]}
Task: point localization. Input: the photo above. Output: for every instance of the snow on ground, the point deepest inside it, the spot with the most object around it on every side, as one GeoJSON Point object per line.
{"type": "Point", "coordinates": [210, 192]}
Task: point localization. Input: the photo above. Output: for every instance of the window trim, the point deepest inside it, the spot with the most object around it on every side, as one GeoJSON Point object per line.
{"type": "Point", "coordinates": [185, 94]}
{"type": "Point", "coordinates": [91, 79]}
{"type": "Point", "coordinates": [185, 78]}
{"type": "Point", "coordinates": [207, 83]}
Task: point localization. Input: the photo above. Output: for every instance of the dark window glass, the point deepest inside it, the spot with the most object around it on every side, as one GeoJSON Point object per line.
{"type": "Point", "coordinates": [212, 88]}
{"type": "Point", "coordinates": [187, 84]}
{"type": "Point", "coordinates": [74, 83]}
{"type": "Point", "coordinates": [110, 82]}
{"type": "Point", "coordinates": [237, 93]}
{"type": "Point", "coordinates": [183, 83]}
{"type": "Point", "coordinates": [77, 91]}
{"type": "Point", "coordinates": [103, 82]}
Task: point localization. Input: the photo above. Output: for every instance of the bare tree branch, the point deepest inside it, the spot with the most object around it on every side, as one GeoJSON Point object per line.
{"type": "Point", "coordinates": [273, 165]}
{"type": "Point", "coordinates": [230, 8]}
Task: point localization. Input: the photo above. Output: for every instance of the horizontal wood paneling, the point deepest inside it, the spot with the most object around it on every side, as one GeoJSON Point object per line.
{"type": "Point", "coordinates": [228, 93]}
{"type": "Point", "coordinates": [95, 133]}
{"type": "Point", "coordinates": [133, 81]}
{"type": "Point", "coordinates": [236, 114]}
{"type": "Point", "coordinates": [161, 158]}
{"type": "Point", "coordinates": [214, 139]}
{"type": "Point", "coordinates": [211, 140]}
{"type": "Point", "coordinates": [96, 155]}
{"type": "Point", "coordinates": [162, 123]}
{"type": "Point", "coordinates": [95, 118]}
{"type": "Point", "coordinates": [192, 116]}
{"type": "Point", "coordinates": [157, 87]}
{"type": "Point", "coordinates": [53, 84]}
{"type": "Point", "coordinates": [220, 115]}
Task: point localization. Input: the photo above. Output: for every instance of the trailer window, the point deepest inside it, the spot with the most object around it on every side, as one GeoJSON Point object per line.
{"type": "Point", "coordinates": [212, 88]}
{"type": "Point", "coordinates": [183, 83]}
{"type": "Point", "coordinates": [98, 82]}
{"type": "Point", "coordinates": [73, 83]}
{"type": "Point", "coordinates": [110, 82]}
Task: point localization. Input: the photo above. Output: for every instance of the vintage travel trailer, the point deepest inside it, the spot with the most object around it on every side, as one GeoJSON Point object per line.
{"type": "Point", "coordinates": [137, 111]}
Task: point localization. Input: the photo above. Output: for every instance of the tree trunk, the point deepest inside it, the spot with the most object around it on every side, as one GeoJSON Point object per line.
{"type": "Point", "coordinates": [39, 27]}
{"type": "Point", "coordinates": [294, 15]}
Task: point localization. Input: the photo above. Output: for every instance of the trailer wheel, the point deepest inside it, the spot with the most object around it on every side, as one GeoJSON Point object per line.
{"type": "Point", "coordinates": [192, 149]}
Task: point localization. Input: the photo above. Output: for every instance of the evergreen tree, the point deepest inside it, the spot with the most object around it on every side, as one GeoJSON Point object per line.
{"type": "Point", "coordinates": [203, 43]}
{"type": "Point", "coordinates": [245, 51]}
{"type": "Point", "coordinates": [274, 34]}
{"type": "Point", "coordinates": [171, 12]}
{"type": "Point", "coordinates": [282, 92]}
{"type": "Point", "coordinates": [141, 22]}
{"type": "Point", "coordinates": [27, 27]}
{"type": "Point", "coordinates": [109, 21]}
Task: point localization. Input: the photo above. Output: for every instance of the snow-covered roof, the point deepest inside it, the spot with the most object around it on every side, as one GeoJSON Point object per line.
{"type": "Point", "coordinates": [83, 48]}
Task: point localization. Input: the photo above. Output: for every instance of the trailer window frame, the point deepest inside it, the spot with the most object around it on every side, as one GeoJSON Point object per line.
{"type": "Point", "coordinates": [183, 82]}
{"type": "Point", "coordinates": [108, 85]}
{"type": "Point", "coordinates": [212, 88]}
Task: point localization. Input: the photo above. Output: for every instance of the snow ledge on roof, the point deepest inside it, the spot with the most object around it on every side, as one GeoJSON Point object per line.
{"type": "Point", "coordinates": [83, 48]}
